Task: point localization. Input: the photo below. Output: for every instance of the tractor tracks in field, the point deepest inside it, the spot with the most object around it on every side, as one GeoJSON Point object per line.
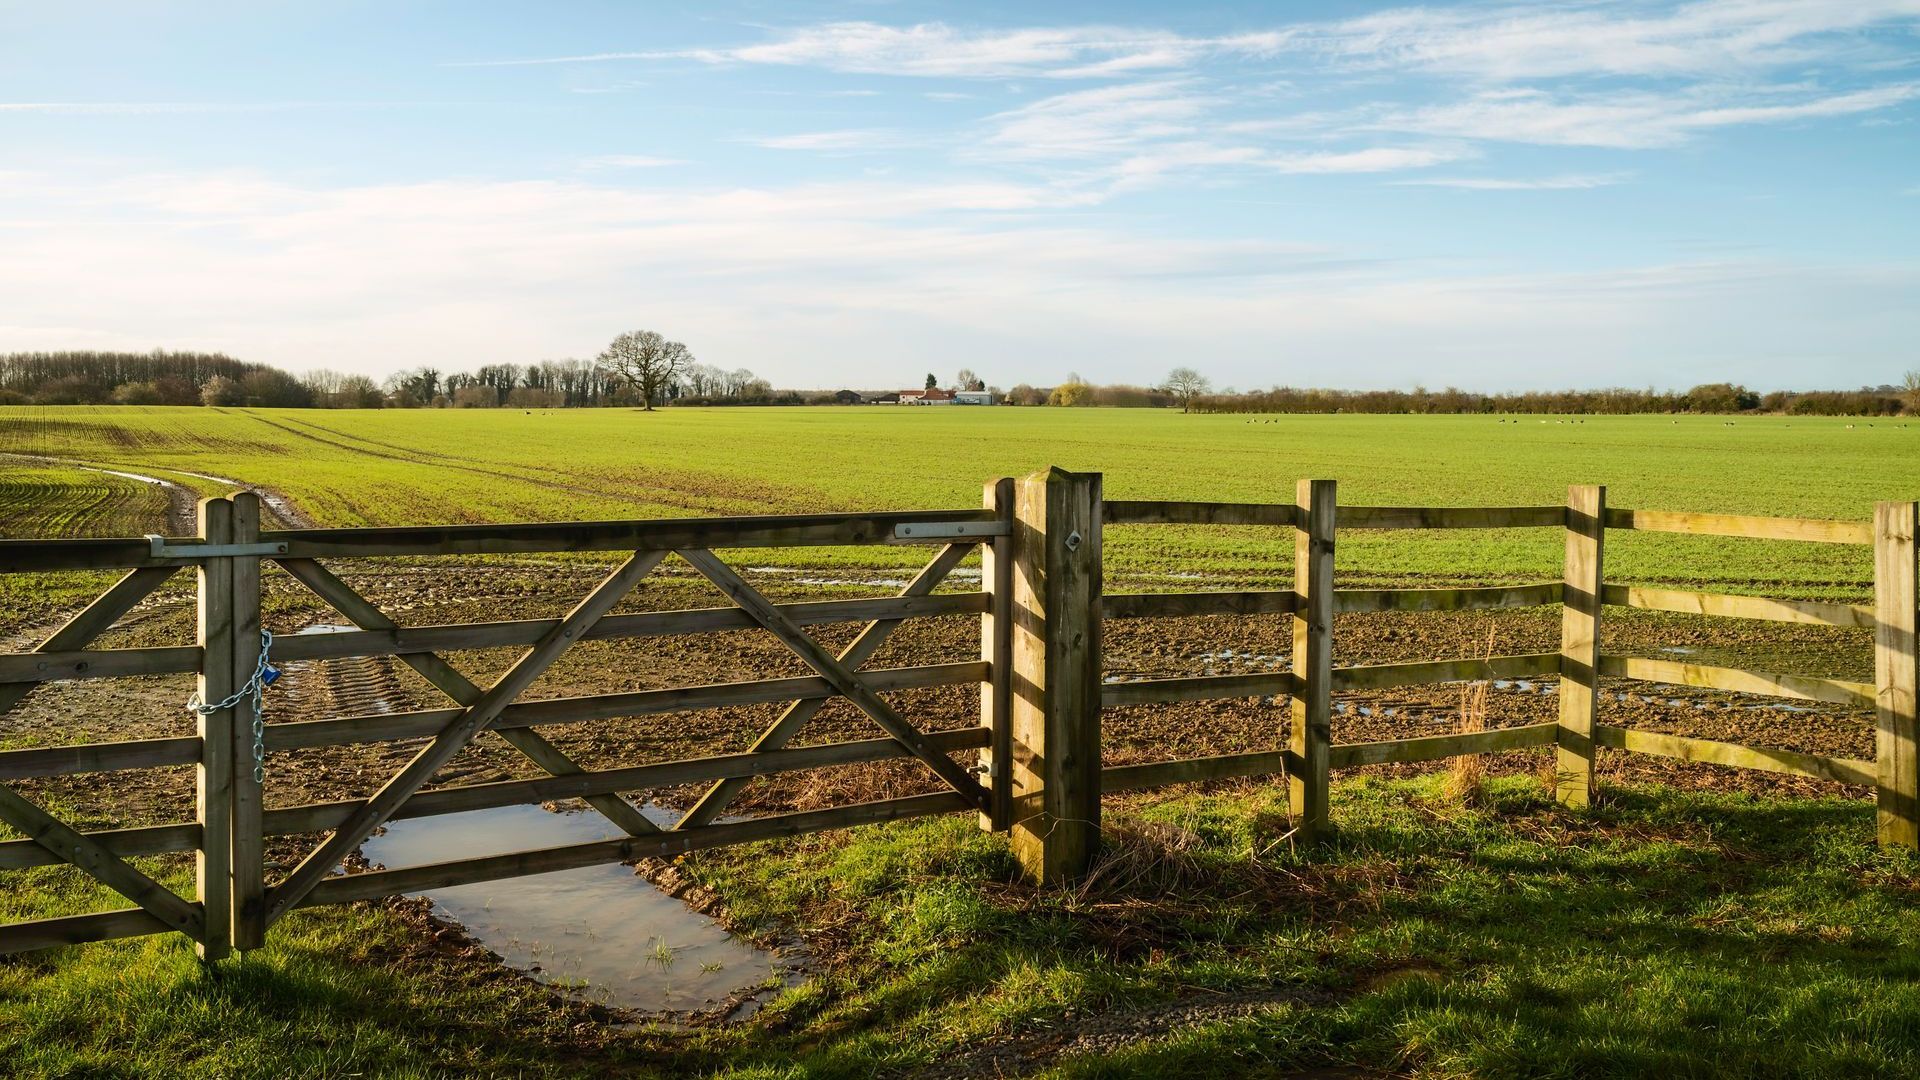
{"type": "Point", "coordinates": [409, 455]}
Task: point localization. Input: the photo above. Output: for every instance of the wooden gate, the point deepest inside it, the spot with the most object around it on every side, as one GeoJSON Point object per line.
{"type": "Point", "coordinates": [1041, 604]}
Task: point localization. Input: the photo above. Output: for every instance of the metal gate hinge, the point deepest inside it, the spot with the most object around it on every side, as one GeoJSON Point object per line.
{"type": "Point", "coordinates": [163, 550]}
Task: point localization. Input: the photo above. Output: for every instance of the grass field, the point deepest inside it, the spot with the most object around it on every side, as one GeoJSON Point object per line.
{"type": "Point", "coordinates": [1665, 933]}
{"type": "Point", "coordinates": [416, 467]}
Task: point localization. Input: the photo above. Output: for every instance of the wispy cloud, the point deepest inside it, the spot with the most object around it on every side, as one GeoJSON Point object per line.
{"type": "Point", "coordinates": [148, 108]}
{"type": "Point", "coordinates": [1534, 183]}
{"type": "Point", "coordinates": [845, 141]}
{"type": "Point", "coordinates": [1706, 38]}
{"type": "Point", "coordinates": [1631, 120]}
{"type": "Point", "coordinates": [629, 161]}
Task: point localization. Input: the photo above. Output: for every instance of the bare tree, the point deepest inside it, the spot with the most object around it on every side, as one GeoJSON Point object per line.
{"type": "Point", "coordinates": [1185, 384]}
{"type": "Point", "coordinates": [1910, 391]}
{"type": "Point", "coordinates": [646, 361]}
{"type": "Point", "coordinates": [967, 380]}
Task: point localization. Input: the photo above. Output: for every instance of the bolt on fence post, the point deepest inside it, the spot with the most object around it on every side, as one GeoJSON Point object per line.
{"type": "Point", "coordinates": [1896, 673]}
{"type": "Point", "coordinates": [1581, 605]}
{"type": "Point", "coordinates": [996, 648]}
{"type": "Point", "coordinates": [213, 777]}
{"type": "Point", "coordinates": [1311, 732]}
{"type": "Point", "coordinates": [1054, 765]}
{"type": "Point", "coordinates": [248, 850]}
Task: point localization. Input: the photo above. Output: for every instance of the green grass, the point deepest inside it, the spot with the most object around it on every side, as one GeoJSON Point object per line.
{"type": "Point", "coordinates": [413, 467]}
{"type": "Point", "coordinates": [1665, 933]}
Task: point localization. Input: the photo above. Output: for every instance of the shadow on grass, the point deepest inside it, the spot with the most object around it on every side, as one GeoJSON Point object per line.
{"type": "Point", "coordinates": [1664, 932]}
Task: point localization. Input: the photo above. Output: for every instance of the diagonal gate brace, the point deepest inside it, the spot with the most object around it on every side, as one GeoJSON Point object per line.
{"type": "Point", "coordinates": [456, 735]}
{"type": "Point", "coordinates": [837, 674]}
{"type": "Point", "coordinates": [462, 690]}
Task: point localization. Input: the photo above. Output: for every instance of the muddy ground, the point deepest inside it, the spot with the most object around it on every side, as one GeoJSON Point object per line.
{"type": "Point", "coordinates": [416, 594]}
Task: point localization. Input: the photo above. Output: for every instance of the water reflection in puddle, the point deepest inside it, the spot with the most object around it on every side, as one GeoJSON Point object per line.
{"type": "Point", "coordinates": [602, 930]}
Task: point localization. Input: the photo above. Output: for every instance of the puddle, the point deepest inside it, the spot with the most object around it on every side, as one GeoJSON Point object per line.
{"type": "Point", "coordinates": [603, 931]}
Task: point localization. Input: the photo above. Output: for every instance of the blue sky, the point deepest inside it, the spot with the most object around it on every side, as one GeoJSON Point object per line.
{"type": "Point", "coordinates": [1489, 195]}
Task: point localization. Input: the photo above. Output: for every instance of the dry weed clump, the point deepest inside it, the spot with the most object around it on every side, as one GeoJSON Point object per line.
{"type": "Point", "coordinates": [1467, 773]}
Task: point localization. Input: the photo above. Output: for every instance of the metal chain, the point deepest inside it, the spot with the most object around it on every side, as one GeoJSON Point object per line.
{"type": "Point", "coordinates": [263, 676]}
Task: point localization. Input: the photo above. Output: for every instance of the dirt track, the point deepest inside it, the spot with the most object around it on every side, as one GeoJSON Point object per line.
{"type": "Point", "coordinates": [142, 708]}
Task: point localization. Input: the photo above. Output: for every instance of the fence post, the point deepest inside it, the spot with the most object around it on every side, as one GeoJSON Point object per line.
{"type": "Point", "coordinates": [249, 856]}
{"type": "Point", "coordinates": [213, 777]}
{"type": "Point", "coordinates": [1055, 683]}
{"type": "Point", "coordinates": [1896, 673]}
{"type": "Point", "coordinates": [1580, 644]}
{"type": "Point", "coordinates": [1315, 504]}
{"type": "Point", "coordinates": [996, 648]}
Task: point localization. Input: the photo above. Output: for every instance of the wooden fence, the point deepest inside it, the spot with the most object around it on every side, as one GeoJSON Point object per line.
{"type": "Point", "coordinates": [1041, 606]}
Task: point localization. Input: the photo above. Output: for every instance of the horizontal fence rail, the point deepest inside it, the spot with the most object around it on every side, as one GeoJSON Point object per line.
{"type": "Point", "coordinates": [1041, 602]}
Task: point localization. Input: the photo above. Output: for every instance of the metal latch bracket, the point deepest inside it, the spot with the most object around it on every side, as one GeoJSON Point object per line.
{"type": "Point", "coordinates": [162, 550]}
{"type": "Point", "coordinates": [949, 530]}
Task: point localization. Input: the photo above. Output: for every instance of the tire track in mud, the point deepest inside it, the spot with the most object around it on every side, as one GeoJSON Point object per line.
{"type": "Point", "coordinates": [425, 457]}
{"type": "Point", "coordinates": [658, 493]}
{"type": "Point", "coordinates": [182, 501]}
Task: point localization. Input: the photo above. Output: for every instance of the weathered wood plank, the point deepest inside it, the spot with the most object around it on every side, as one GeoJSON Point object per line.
{"type": "Point", "coordinates": [1197, 688]}
{"type": "Point", "coordinates": [1804, 687]}
{"type": "Point", "coordinates": [322, 817]}
{"type": "Point", "coordinates": [1141, 512]}
{"type": "Point", "coordinates": [217, 626]}
{"type": "Point", "coordinates": [1056, 673]}
{"type": "Point", "coordinates": [42, 556]}
{"type": "Point", "coordinates": [379, 727]}
{"type": "Point", "coordinates": [836, 673]}
{"type": "Point", "coordinates": [1195, 770]}
{"type": "Point", "coordinates": [1346, 601]}
{"type": "Point", "coordinates": [1793, 763]}
{"type": "Point", "coordinates": [318, 817]}
{"type": "Point", "coordinates": [78, 929]}
{"type": "Point", "coordinates": [1582, 599]}
{"type": "Point", "coordinates": [773, 530]}
{"type": "Point", "coordinates": [458, 732]}
{"type": "Point", "coordinates": [98, 757]}
{"type": "Point", "coordinates": [1896, 673]}
{"type": "Point", "coordinates": [1452, 517]}
{"type": "Point", "coordinates": [1178, 605]}
{"type": "Point", "coordinates": [1436, 747]}
{"type": "Point", "coordinates": [380, 883]}
{"type": "Point", "coordinates": [491, 635]}
{"type": "Point", "coordinates": [713, 802]}
{"type": "Point", "coordinates": [126, 843]}
{"type": "Point", "coordinates": [1310, 733]}
{"type": "Point", "coordinates": [1723, 605]}
{"type": "Point", "coordinates": [52, 665]}
{"type": "Point", "coordinates": [247, 860]}
{"type": "Point", "coordinates": [1758, 528]}
{"type": "Point", "coordinates": [1386, 676]}
{"type": "Point", "coordinates": [996, 649]}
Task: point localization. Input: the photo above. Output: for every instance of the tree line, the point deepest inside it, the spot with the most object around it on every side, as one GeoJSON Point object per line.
{"type": "Point", "coordinates": [644, 369]}
{"type": "Point", "coordinates": [1889, 400]}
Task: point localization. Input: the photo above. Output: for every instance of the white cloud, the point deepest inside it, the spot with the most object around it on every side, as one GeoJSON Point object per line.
{"type": "Point", "coordinates": [630, 161]}
{"type": "Point", "coordinates": [846, 276]}
{"type": "Point", "coordinates": [1706, 38]}
{"type": "Point", "coordinates": [1572, 182]}
{"type": "Point", "coordinates": [1633, 120]}
{"type": "Point", "coordinates": [939, 50]}
{"type": "Point", "coordinates": [836, 141]}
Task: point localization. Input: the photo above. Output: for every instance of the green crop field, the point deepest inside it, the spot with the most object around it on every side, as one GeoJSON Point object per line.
{"type": "Point", "coordinates": [419, 467]}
